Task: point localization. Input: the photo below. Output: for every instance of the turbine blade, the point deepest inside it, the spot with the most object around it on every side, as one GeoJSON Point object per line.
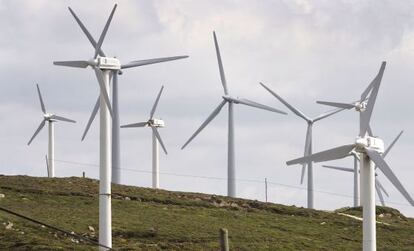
{"type": "Point", "coordinates": [337, 104]}
{"type": "Point", "coordinates": [62, 118]}
{"type": "Point", "coordinates": [368, 89]}
{"type": "Point", "coordinates": [331, 154]}
{"type": "Point", "coordinates": [140, 124]}
{"type": "Point", "coordinates": [77, 64]}
{"type": "Point", "coordinates": [382, 188]}
{"type": "Point", "coordinates": [104, 92]}
{"type": "Point", "coordinates": [103, 34]}
{"type": "Point", "coordinates": [154, 107]}
{"type": "Point", "coordinates": [346, 169]}
{"type": "Point", "coordinates": [205, 123]}
{"type": "Point", "coordinates": [356, 155]}
{"type": "Point", "coordinates": [383, 166]}
{"type": "Point", "coordinates": [391, 145]}
{"type": "Point", "coordinates": [302, 176]}
{"type": "Point", "coordinates": [87, 33]}
{"type": "Point", "coordinates": [328, 113]}
{"type": "Point", "coordinates": [289, 106]}
{"type": "Point", "coordinates": [360, 120]}
{"type": "Point", "coordinates": [150, 61]}
{"type": "Point", "coordinates": [42, 105]}
{"type": "Point", "coordinates": [155, 131]}
{"type": "Point", "coordinates": [91, 118]}
{"type": "Point", "coordinates": [220, 63]}
{"type": "Point", "coordinates": [366, 115]}
{"type": "Point", "coordinates": [308, 140]}
{"type": "Point", "coordinates": [369, 130]}
{"type": "Point", "coordinates": [47, 165]}
{"type": "Point", "coordinates": [307, 150]}
{"type": "Point", "coordinates": [42, 124]}
{"type": "Point", "coordinates": [379, 193]}
{"type": "Point", "coordinates": [257, 105]}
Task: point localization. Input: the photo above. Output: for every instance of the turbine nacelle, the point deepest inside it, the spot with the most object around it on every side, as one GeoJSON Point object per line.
{"type": "Point", "coordinates": [156, 122]}
{"type": "Point", "coordinates": [371, 143]}
{"type": "Point", "coordinates": [107, 63]}
{"type": "Point", "coordinates": [48, 117]}
{"type": "Point", "coordinates": [228, 98]}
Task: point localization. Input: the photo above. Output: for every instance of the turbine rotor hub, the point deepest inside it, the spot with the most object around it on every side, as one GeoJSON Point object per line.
{"type": "Point", "coordinates": [360, 106]}
{"type": "Point", "coordinates": [230, 99]}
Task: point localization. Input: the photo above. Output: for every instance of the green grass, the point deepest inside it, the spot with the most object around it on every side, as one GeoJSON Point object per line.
{"type": "Point", "coordinates": [163, 220]}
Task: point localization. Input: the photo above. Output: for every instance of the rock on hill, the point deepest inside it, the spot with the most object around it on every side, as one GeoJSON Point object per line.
{"type": "Point", "coordinates": [147, 219]}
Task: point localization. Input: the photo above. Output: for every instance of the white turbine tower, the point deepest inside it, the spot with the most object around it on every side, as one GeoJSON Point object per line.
{"type": "Point", "coordinates": [103, 67]}
{"type": "Point", "coordinates": [378, 186]}
{"type": "Point", "coordinates": [227, 99]}
{"type": "Point", "coordinates": [370, 149]}
{"type": "Point", "coordinates": [156, 138]}
{"type": "Point", "coordinates": [308, 140]}
{"type": "Point", "coordinates": [116, 162]}
{"type": "Point", "coordinates": [106, 68]}
{"type": "Point", "coordinates": [50, 119]}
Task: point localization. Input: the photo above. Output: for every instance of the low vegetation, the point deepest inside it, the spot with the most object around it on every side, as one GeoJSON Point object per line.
{"type": "Point", "coordinates": [147, 219]}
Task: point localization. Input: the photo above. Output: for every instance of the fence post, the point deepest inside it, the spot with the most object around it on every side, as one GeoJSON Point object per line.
{"type": "Point", "coordinates": [224, 239]}
{"type": "Point", "coordinates": [266, 188]}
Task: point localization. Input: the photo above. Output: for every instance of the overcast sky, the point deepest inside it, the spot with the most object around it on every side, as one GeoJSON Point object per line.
{"type": "Point", "coordinates": [304, 50]}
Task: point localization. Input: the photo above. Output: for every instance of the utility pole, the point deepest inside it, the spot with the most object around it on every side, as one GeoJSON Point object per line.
{"type": "Point", "coordinates": [266, 188]}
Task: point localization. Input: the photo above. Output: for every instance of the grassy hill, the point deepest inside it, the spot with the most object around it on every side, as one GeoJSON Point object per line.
{"type": "Point", "coordinates": [147, 219]}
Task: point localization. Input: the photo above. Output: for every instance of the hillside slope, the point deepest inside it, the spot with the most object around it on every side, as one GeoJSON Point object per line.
{"type": "Point", "coordinates": [147, 219]}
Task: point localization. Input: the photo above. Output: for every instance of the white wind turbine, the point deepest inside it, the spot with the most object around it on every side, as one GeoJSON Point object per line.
{"type": "Point", "coordinates": [105, 68]}
{"type": "Point", "coordinates": [378, 186]}
{"type": "Point", "coordinates": [116, 162]}
{"type": "Point", "coordinates": [156, 138]}
{"type": "Point", "coordinates": [50, 119]}
{"type": "Point", "coordinates": [370, 149]}
{"type": "Point", "coordinates": [227, 99]}
{"type": "Point", "coordinates": [308, 140]}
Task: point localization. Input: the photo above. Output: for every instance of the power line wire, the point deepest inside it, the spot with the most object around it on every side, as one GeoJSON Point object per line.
{"type": "Point", "coordinates": [222, 178]}
{"type": "Point", "coordinates": [53, 227]}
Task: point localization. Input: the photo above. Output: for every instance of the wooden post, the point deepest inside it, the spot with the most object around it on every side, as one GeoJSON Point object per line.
{"type": "Point", "coordinates": [266, 188]}
{"type": "Point", "coordinates": [83, 174]}
{"type": "Point", "coordinates": [224, 239]}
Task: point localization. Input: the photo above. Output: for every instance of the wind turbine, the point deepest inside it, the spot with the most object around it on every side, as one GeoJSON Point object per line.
{"type": "Point", "coordinates": [308, 141]}
{"type": "Point", "coordinates": [360, 106]}
{"type": "Point", "coordinates": [50, 119]}
{"type": "Point", "coordinates": [227, 99]}
{"type": "Point", "coordinates": [370, 149]}
{"type": "Point", "coordinates": [156, 138]}
{"type": "Point", "coordinates": [105, 68]}
{"type": "Point", "coordinates": [378, 186]}
{"type": "Point", "coordinates": [115, 70]}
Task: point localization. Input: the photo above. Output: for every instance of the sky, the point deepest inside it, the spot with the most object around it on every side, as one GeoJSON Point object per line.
{"type": "Point", "coordinates": [304, 50]}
